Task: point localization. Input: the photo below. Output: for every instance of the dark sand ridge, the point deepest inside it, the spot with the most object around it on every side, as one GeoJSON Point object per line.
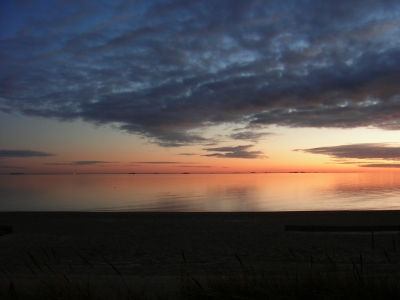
{"type": "Point", "coordinates": [151, 244]}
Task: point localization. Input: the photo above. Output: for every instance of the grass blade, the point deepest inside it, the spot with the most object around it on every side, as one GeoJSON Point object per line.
{"type": "Point", "coordinates": [359, 275]}
{"type": "Point", "coordinates": [48, 266]}
{"type": "Point", "coordinates": [238, 258]}
{"type": "Point", "coordinates": [119, 274]}
{"type": "Point", "coordinates": [373, 241]}
{"type": "Point", "coordinates": [12, 291]}
{"type": "Point", "coordinates": [295, 258]}
{"type": "Point", "coordinates": [387, 255]}
{"type": "Point", "coordinates": [330, 259]}
{"type": "Point", "coordinates": [30, 268]}
{"type": "Point", "coordinates": [107, 261]}
{"type": "Point", "coordinates": [81, 256]}
{"type": "Point", "coordinates": [197, 283]}
{"type": "Point", "coordinates": [66, 278]}
{"type": "Point", "coordinates": [35, 262]}
{"type": "Point", "coordinates": [183, 255]}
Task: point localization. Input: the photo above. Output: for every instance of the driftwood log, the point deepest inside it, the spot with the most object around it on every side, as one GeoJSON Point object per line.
{"type": "Point", "coordinates": [312, 228]}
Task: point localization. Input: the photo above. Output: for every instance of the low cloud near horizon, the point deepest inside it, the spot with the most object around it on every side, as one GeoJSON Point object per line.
{"type": "Point", "coordinates": [234, 152]}
{"type": "Point", "coordinates": [23, 153]}
{"type": "Point", "coordinates": [12, 167]}
{"type": "Point", "coordinates": [249, 136]}
{"type": "Point", "coordinates": [156, 162]}
{"type": "Point", "coordinates": [162, 69]}
{"type": "Point", "coordinates": [81, 163]}
{"type": "Point", "coordinates": [380, 166]}
{"type": "Point", "coordinates": [370, 151]}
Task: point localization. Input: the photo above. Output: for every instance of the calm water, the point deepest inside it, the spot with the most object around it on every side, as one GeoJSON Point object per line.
{"type": "Point", "coordinates": [200, 192]}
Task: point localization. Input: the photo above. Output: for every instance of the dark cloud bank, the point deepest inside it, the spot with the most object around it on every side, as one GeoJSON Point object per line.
{"type": "Point", "coordinates": [157, 162]}
{"type": "Point", "coordinates": [367, 151]}
{"type": "Point", "coordinates": [234, 152]}
{"type": "Point", "coordinates": [249, 135]}
{"type": "Point", "coordinates": [81, 163]}
{"type": "Point", "coordinates": [23, 153]}
{"type": "Point", "coordinates": [162, 69]}
{"type": "Point", "coordinates": [11, 167]}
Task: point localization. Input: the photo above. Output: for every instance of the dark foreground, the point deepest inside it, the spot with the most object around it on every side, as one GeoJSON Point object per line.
{"type": "Point", "coordinates": [166, 247]}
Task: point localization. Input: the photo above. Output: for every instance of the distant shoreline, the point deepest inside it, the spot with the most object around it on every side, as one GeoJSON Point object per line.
{"type": "Point", "coordinates": [207, 173]}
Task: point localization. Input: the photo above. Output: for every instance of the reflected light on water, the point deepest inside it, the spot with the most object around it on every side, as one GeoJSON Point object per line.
{"type": "Point", "coordinates": [200, 192]}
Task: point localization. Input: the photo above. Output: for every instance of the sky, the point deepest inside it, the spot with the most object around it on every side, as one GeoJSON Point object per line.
{"type": "Point", "coordinates": [199, 86]}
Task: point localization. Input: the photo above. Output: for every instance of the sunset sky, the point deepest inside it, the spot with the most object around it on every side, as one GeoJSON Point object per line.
{"type": "Point", "coordinates": [199, 86]}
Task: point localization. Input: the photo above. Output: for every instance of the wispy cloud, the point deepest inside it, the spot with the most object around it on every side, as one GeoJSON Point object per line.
{"type": "Point", "coordinates": [81, 163]}
{"type": "Point", "coordinates": [234, 152]}
{"type": "Point", "coordinates": [163, 69]}
{"type": "Point", "coordinates": [191, 166]}
{"type": "Point", "coordinates": [380, 166]}
{"type": "Point", "coordinates": [249, 136]}
{"type": "Point", "coordinates": [157, 162]}
{"type": "Point", "coordinates": [11, 167]}
{"type": "Point", "coordinates": [358, 151]}
{"type": "Point", "coordinates": [24, 153]}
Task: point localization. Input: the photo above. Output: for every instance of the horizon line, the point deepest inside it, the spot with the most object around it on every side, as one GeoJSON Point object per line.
{"type": "Point", "coordinates": [188, 173]}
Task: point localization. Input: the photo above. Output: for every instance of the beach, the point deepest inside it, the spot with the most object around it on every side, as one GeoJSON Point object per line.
{"type": "Point", "coordinates": [164, 244]}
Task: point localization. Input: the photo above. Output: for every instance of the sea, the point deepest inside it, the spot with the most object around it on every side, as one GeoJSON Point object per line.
{"type": "Point", "coordinates": [252, 192]}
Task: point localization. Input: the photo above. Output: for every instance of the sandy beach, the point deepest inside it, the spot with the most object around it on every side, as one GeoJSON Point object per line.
{"type": "Point", "coordinates": [163, 244]}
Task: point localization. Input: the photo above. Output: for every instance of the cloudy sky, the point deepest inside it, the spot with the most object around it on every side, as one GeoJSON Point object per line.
{"type": "Point", "coordinates": [199, 86]}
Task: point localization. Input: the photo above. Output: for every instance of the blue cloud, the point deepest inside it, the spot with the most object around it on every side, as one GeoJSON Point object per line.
{"type": "Point", "coordinates": [81, 163]}
{"type": "Point", "coordinates": [234, 152]}
{"type": "Point", "coordinates": [161, 69]}
{"type": "Point", "coordinates": [381, 151]}
{"type": "Point", "coordinates": [157, 162]}
{"type": "Point", "coordinates": [249, 135]}
{"type": "Point", "coordinates": [23, 153]}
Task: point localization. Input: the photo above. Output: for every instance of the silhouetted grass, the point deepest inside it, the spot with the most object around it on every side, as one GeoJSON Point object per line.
{"type": "Point", "coordinates": [362, 277]}
{"type": "Point", "coordinates": [299, 284]}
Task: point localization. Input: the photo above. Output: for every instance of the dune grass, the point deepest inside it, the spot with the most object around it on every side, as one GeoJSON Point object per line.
{"type": "Point", "coordinates": [361, 277]}
{"type": "Point", "coordinates": [295, 285]}
{"type": "Point", "coordinates": [287, 286]}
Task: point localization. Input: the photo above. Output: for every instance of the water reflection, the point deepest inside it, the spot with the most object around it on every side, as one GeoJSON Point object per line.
{"type": "Point", "coordinates": [358, 184]}
{"type": "Point", "coordinates": [200, 192]}
{"type": "Point", "coordinates": [368, 190]}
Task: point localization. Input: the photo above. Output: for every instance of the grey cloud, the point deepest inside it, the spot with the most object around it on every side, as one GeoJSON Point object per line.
{"type": "Point", "coordinates": [24, 153]}
{"type": "Point", "coordinates": [191, 166]}
{"type": "Point", "coordinates": [380, 165]}
{"type": "Point", "coordinates": [234, 152]}
{"type": "Point", "coordinates": [249, 135]}
{"type": "Point", "coordinates": [157, 162]}
{"type": "Point", "coordinates": [358, 151]}
{"type": "Point", "coordinates": [11, 167]}
{"type": "Point", "coordinates": [81, 163]}
{"type": "Point", "coordinates": [167, 136]}
{"type": "Point", "coordinates": [187, 154]}
{"type": "Point", "coordinates": [162, 70]}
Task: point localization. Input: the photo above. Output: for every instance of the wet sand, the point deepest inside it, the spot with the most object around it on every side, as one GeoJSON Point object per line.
{"type": "Point", "coordinates": [166, 244]}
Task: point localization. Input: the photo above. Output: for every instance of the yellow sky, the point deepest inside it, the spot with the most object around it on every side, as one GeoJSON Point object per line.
{"type": "Point", "coordinates": [84, 148]}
